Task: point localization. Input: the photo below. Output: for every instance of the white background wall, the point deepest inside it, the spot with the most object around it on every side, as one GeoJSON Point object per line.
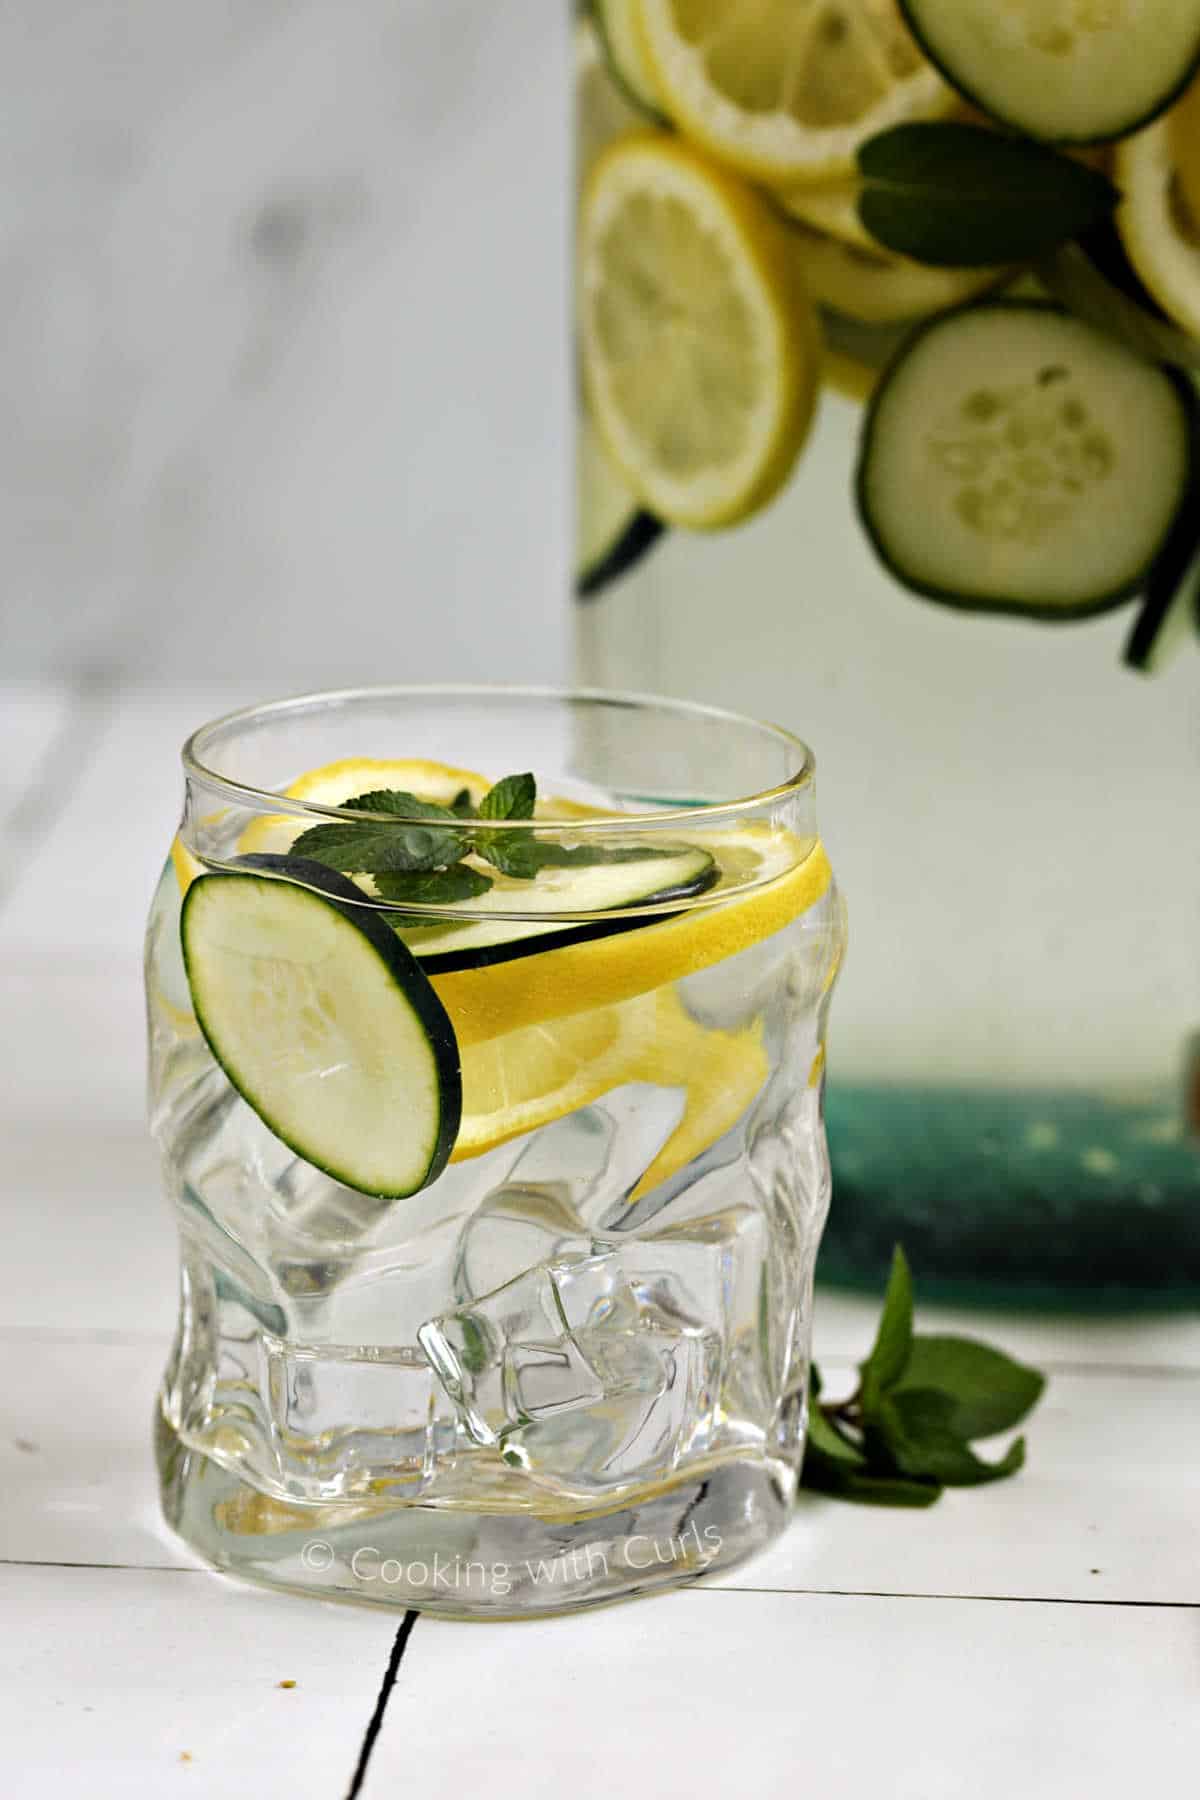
{"type": "Point", "coordinates": [283, 361]}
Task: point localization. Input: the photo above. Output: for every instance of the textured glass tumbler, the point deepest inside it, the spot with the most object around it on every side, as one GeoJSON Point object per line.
{"type": "Point", "coordinates": [573, 1364]}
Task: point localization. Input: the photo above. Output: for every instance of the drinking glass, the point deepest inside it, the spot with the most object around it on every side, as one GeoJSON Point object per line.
{"type": "Point", "coordinates": [567, 1360]}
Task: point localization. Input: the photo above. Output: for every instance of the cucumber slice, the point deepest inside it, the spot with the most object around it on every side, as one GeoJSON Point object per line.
{"type": "Point", "coordinates": [613, 529]}
{"type": "Point", "coordinates": [323, 1022]}
{"type": "Point", "coordinates": [1071, 75]}
{"type": "Point", "coordinates": [678, 873]}
{"type": "Point", "coordinates": [1016, 460]}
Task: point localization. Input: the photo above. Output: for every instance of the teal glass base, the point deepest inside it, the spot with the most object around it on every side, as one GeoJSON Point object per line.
{"type": "Point", "coordinates": [1033, 1198]}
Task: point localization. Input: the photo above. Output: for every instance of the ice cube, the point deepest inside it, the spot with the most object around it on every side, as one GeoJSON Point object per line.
{"type": "Point", "coordinates": [640, 1425]}
{"type": "Point", "coordinates": [571, 1376]}
{"type": "Point", "coordinates": [518, 1226]}
{"type": "Point", "coordinates": [706, 1278]}
{"type": "Point", "coordinates": [403, 1428]}
{"type": "Point", "coordinates": [568, 1175]}
{"type": "Point", "coordinates": [596, 1155]}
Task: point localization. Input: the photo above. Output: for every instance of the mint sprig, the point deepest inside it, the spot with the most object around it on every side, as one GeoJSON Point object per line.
{"type": "Point", "coordinates": [389, 842]}
{"type": "Point", "coordinates": [414, 848]}
{"type": "Point", "coordinates": [905, 1434]}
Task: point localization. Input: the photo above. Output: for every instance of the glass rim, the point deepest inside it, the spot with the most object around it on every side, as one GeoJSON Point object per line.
{"type": "Point", "coordinates": [245, 794]}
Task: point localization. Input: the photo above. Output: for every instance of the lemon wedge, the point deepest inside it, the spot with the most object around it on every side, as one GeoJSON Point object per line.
{"type": "Point", "coordinates": [700, 344]}
{"type": "Point", "coordinates": [519, 1082]}
{"type": "Point", "coordinates": [788, 89]}
{"type": "Point", "coordinates": [1158, 170]}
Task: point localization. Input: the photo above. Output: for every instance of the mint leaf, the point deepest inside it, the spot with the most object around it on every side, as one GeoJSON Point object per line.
{"type": "Point", "coordinates": [396, 803]}
{"type": "Point", "coordinates": [373, 847]}
{"type": "Point", "coordinates": [521, 854]}
{"type": "Point", "coordinates": [824, 1439]}
{"type": "Point", "coordinates": [824, 1475]}
{"type": "Point", "coordinates": [462, 806]}
{"type": "Point", "coordinates": [916, 1427]}
{"type": "Point", "coordinates": [433, 887]}
{"type": "Point", "coordinates": [986, 1391]}
{"type": "Point", "coordinates": [512, 798]}
{"type": "Point", "coordinates": [893, 1340]}
{"type": "Point", "coordinates": [903, 1436]}
{"type": "Point", "coordinates": [961, 196]}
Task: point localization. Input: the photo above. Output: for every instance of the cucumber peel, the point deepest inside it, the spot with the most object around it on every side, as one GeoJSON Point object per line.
{"type": "Point", "coordinates": [675, 874]}
{"type": "Point", "coordinates": [323, 1021]}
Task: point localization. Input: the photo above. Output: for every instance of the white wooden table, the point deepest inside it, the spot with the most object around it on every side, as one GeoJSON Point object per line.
{"type": "Point", "coordinates": [1039, 1637]}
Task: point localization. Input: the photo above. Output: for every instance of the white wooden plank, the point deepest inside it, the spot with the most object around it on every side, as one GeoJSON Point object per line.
{"type": "Point", "coordinates": [841, 1697]}
{"type": "Point", "coordinates": [109, 1679]}
{"type": "Point", "coordinates": [75, 1456]}
{"type": "Point", "coordinates": [1105, 1509]}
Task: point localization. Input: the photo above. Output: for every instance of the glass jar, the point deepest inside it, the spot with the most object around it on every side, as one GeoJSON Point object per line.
{"type": "Point", "coordinates": [930, 574]}
{"type": "Point", "coordinates": [498, 1204]}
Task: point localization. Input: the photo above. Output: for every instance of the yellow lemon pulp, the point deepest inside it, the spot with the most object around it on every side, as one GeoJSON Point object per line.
{"type": "Point", "coordinates": [701, 347]}
{"type": "Point", "coordinates": [788, 89]}
{"type": "Point", "coordinates": [876, 287]}
{"type": "Point", "coordinates": [516, 1083]}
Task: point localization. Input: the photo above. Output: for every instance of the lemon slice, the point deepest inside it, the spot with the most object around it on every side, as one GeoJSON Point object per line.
{"type": "Point", "coordinates": [185, 865]}
{"type": "Point", "coordinates": [1158, 171]}
{"type": "Point", "coordinates": [866, 282]}
{"type": "Point", "coordinates": [700, 345]}
{"type": "Point", "coordinates": [831, 207]}
{"type": "Point", "coordinates": [624, 47]}
{"type": "Point", "coordinates": [525, 1079]}
{"type": "Point", "coordinates": [485, 1002]}
{"type": "Point", "coordinates": [522, 1080]}
{"type": "Point", "coordinates": [788, 89]}
{"type": "Point", "coordinates": [721, 1072]}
